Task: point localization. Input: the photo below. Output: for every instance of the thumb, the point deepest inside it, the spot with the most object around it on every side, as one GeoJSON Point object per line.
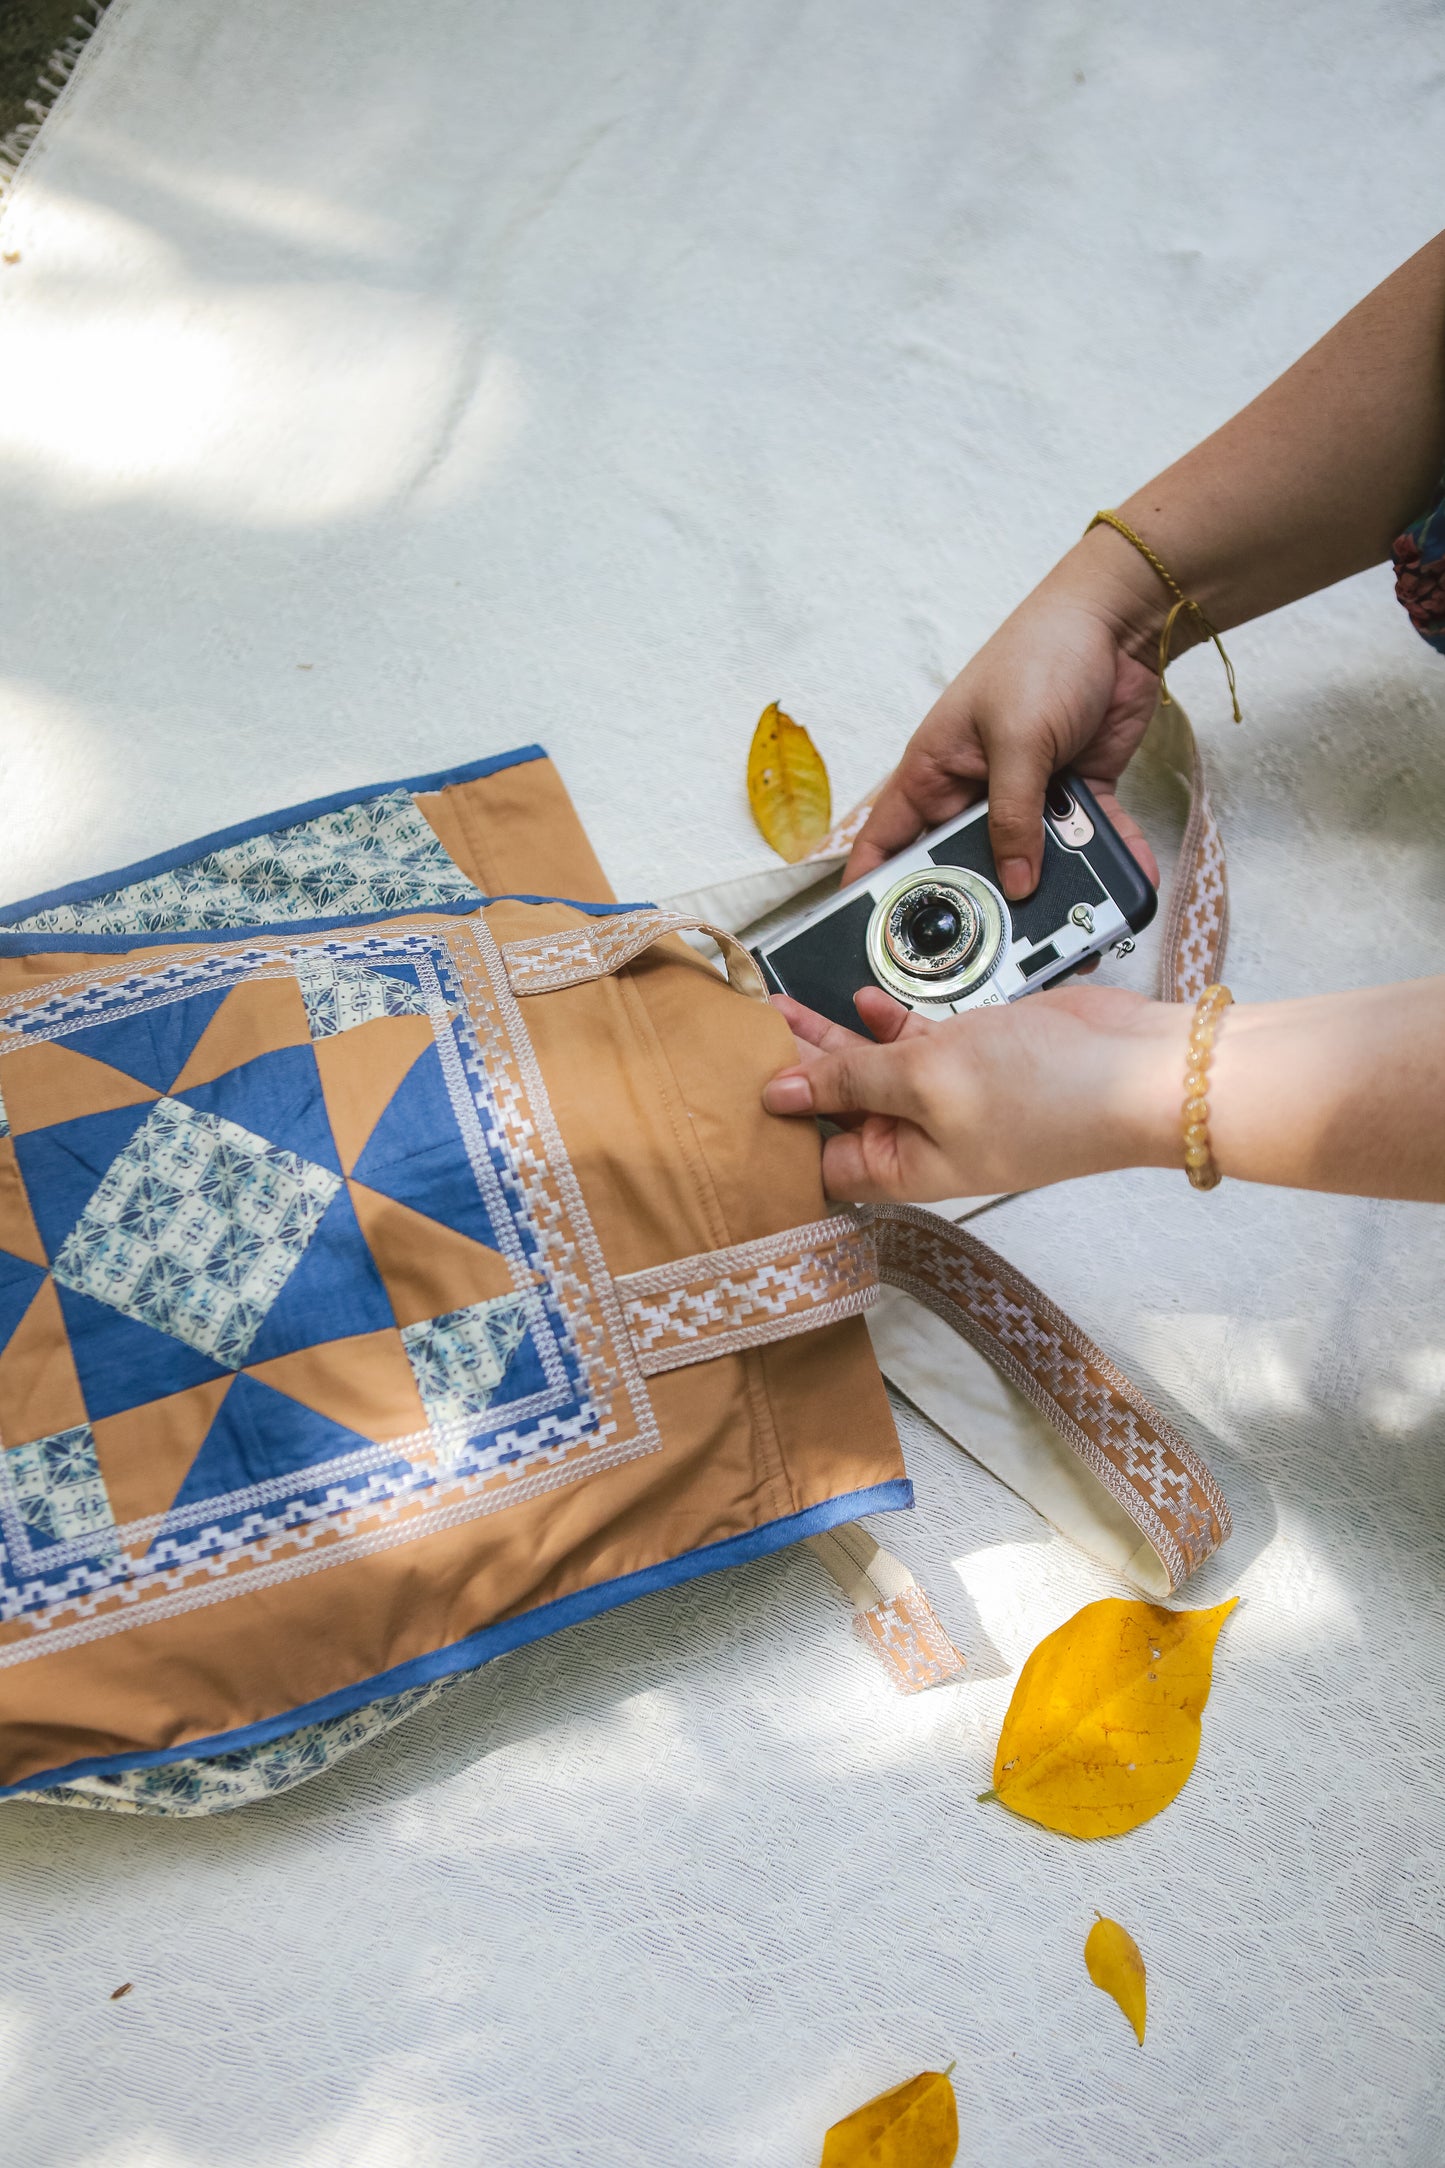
{"type": "Point", "coordinates": [907, 804]}
{"type": "Point", "coordinates": [859, 1079]}
{"type": "Point", "coordinates": [1018, 776]}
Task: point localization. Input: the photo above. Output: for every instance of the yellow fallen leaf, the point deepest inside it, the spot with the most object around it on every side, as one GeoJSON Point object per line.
{"type": "Point", "coordinates": [1103, 1728]}
{"type": "Point", "coordinates": [914, 2126]}
{"type": "Point", "coordinates": [1112, 1956]}
{"type": "Point", "coordinates": [788, 785]}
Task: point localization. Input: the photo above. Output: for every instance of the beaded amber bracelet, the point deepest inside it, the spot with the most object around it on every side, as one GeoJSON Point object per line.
{"type": "Point", "coordinates": [1198, 1158]}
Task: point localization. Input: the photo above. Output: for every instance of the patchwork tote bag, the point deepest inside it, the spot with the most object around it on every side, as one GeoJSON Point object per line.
{"type": "Point", "coordinates": [397, 1265]}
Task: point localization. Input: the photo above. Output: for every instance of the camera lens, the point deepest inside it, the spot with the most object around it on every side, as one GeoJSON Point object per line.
{"type": "Point", "coordinates": [936, 933]}
{"type": "Point", "coordinates": [933, 926]}
{"type": "Point", "coordinates": [930, 929]}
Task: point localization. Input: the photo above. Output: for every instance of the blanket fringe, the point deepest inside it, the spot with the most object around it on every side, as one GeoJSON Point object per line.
{"type": "Point", "coordinates": [54, 79]}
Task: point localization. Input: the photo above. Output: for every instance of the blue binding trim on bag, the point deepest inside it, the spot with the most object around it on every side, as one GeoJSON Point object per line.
{"type": "Point", "coordinates": [116, 944]}
{"type": "Point", "coordinates": [512, 1633]}
{"type": "Point", "coordinates": [290, 816]}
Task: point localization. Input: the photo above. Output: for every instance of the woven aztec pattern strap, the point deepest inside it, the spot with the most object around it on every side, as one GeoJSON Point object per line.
{"type": "Point", "coordinates": [594, 950]}
{"type": "Point", "coordinates": [1139, 1457]}
{"type": "Point", "coordinates": [907, 1636]}
{"type": "Point", "coordinates": [723, 1301]}
{"type": "Point", "coordinates": [892, 1616]}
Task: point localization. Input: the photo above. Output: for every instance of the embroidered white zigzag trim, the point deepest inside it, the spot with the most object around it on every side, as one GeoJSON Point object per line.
{"type": "Point", "coordinates": [723, 1301]}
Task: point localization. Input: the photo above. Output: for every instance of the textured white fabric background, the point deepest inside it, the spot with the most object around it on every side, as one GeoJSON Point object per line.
{"type": "Point", "coordinates": [597, 374]}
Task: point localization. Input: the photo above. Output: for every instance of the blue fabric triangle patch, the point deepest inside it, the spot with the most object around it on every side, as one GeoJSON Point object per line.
{"type": "Point", "coordinates": [154, 1046]}
{"type": "Point", "coordinates": [334, 1291]}
{"type": "Point", "coordinates": [415, 1155]}
{"type": "Point", "coordinates": [259, 1434]}
{"type": "Point", "coordinates": [19, 1285]}
{"type": "Point", "coordinates": [64, 1166]}
{"type": "Point", "coordinates": [276, 1096]}
{"type": "Point", "coordinates": [121, 1363]}
{"type": "Point", "coordinates": [522, 1377]}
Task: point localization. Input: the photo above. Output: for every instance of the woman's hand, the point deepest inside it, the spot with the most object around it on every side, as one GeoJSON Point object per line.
{"type": "Point", "coordinates": [1006, 1098]}
{"type": "Point", "coordinates": [1340, 1092]}
{"type": "Point", "coordinates": [1060, 683]}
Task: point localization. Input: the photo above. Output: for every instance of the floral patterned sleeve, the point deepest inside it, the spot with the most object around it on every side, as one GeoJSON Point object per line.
{"type": "Point", "coordinates": [1419, 555]}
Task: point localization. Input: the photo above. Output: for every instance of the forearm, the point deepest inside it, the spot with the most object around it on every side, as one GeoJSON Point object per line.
{"type": "Point", "coordinates": [1309, 483]}
{"type": "Point", "coordinates": [1342, 1092]}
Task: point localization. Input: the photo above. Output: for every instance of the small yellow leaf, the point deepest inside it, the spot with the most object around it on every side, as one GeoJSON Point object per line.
{"type": "Point", "coordinates": [1112, 1956]}
{"type": "Point", "coordinates": [788, 785]}
{"type": "Point", "coordinates": [1103, 1728]}
{"type": "Point", "coordinates": [914, 2126]}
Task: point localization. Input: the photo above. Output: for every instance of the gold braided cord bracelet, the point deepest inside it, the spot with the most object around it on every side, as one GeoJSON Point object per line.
{"type": "Point", "coordinates": [1198, 1155]}
{"type": "Point", "coordinates": [1181, 602]}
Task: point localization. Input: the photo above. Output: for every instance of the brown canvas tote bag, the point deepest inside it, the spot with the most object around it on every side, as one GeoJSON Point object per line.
{"type": "Point", "coordinates": [547, 1312]}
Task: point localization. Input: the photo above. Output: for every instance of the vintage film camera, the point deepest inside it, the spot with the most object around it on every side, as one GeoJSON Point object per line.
{"type": "Point", "coordinates": [932, 927]}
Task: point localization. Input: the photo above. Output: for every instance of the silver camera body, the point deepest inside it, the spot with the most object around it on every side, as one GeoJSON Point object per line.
{"type": "Point", "coordinates": [933, 928]}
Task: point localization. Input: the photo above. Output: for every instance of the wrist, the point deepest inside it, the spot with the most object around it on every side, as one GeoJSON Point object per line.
{"type": "Point", "coordinates": [1147, 1095]}
{"type": "Point", "coordinates": [1151, 1094]}
{"type": "Point", "coordinates": [1106, 576]}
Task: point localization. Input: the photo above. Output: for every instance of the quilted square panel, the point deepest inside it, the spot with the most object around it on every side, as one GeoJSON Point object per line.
{"type": "Point", "coordinates": [286, 1258]}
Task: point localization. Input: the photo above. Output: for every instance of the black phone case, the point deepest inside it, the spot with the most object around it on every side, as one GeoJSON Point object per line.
{"type": "Point", "coordinates": [830, 962]}
{"type": "Point", "coordinates": [1113, 861]}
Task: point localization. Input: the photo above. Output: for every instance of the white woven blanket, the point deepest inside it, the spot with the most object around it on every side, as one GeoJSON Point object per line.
{"type": "Point", "coordinates": [382, 385]}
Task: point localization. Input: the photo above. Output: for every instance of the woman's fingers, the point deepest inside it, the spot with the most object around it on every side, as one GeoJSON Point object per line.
{"type": "Point", "coordinates": [857, 1164]}
{"type": "Point", "coordinates": [927, 786]}
{"type": "Point", "coordinates": [860, 1078]}
{"type": "Point", "coordinates": [811, 1029]}
{"type": "Point", "coordinates": [894, 823]}
{"type": "Point", "coordinates": [1018, 776]}
{"type": "Point", "coordinates": [887, 1019]}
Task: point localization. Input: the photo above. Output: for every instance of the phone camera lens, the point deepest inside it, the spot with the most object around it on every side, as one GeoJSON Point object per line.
{"type": "Point", "coordinates": [1059, 800]}
{"type": "Point", "coordinates": [933, 927]}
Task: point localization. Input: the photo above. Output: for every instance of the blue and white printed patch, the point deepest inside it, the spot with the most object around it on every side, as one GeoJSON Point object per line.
{"type": "Point", "coordinates": [339, 996]}
{"type": "Point", "coordinates": [196, 1228]}
{"type": "Point", "coordinates": [219, 1783]}
{"type": "Point", "coordinates": [59, 1491]}
{"type": "Point", "coordinates": [377, 856]}
{"type": "Point", "coordinates": [460, 1359]}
